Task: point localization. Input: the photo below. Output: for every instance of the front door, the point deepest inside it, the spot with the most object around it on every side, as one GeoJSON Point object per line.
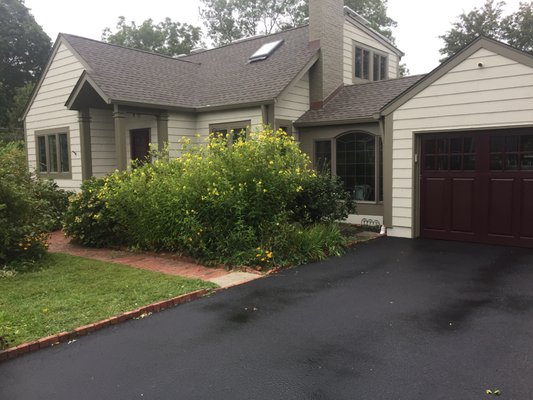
{"type": "Point", "coordinates": [140, 145]}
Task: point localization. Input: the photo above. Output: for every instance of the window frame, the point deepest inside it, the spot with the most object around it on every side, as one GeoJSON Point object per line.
{"type": "Point", "coordinates": [229, 126]}
{"type": "Point", "coordinates": [54, 132]}
{"type": "Point", "coordinates": [377, 160]}
{"type": "Point", "coordinates": [285, 122]}
{"type": "Point", "coordinates": [373, 52]}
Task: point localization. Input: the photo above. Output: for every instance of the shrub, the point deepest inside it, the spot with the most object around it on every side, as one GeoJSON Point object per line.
{"type": "Point", "coordinates": [221, 202]}
{"type": "Point", "coordinates": [55, 202]}
{"type": "Point", "coordinates": [88, 220]}
{"type": "Point", "coordinates": [22, 236]}
{"type": "Point", "coordinates": [323, 199]}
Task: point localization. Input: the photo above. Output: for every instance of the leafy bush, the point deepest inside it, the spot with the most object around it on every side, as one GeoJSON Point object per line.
{"type": "Point", "coordinates": [22, 235]}
{"type": "Point", "coordinates": [221, 202]}
{"type": "Point", "coordinates": [88, 220]}
{"type": "Point", "coordinates": [55, 202]}
{"type": "Point", "coordinates": [323, 198]}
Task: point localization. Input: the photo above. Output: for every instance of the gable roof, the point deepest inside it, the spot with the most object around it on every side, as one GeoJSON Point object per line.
{"type": "Point", "coordinates": [220, 77]}
{"type": "Point", "coordinates": [482, 42]}
{"type": "Point", "coordinates": [357, 102]}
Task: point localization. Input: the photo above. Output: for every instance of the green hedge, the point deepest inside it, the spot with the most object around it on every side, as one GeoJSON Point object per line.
{"type": "Point", "coordinates": [250, 202]}
{"type": "Point", "coordinates": [29, 208]}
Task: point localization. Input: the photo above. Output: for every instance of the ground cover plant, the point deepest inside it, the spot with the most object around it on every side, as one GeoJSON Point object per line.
{"type": "Point", "coordinates": [29, 208]}
{"type": "Point", "coordinates": [252, 201]}
{"type": "Point", "coordinates": [67, 292]}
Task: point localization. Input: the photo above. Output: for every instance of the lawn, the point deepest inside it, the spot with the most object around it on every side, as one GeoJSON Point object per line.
{"type": "Point", "coordinates": [67, 292]}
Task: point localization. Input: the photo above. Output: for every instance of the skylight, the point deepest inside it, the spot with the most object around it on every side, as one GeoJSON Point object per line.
{"type": "Point", "coordinates": [265, 51]}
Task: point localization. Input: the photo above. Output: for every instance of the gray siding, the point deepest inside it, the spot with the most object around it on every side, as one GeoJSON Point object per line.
{"type": "Point", "coordinates": [48, 111]}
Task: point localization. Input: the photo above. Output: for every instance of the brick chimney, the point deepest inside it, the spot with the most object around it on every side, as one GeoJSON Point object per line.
{"type": "Point", "coordinates": [326, 21]}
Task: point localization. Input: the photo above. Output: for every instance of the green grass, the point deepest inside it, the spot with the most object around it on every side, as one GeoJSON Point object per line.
{"type": "Point", "coordinates": [67, 292]}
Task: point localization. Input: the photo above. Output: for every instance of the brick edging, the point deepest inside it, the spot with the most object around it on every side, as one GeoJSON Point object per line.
{"type": "Point", "coordinates": [62, 337]}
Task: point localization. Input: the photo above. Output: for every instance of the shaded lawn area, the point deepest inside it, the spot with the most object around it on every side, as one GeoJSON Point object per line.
{"type": "Point", "coordinates": [68, 292]}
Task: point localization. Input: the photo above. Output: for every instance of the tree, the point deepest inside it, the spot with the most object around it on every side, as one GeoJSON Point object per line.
{"type": "Point", "coordinates": [228, 20]}
{"type": "Point", "coordinates": [515, 29]}
{"type": "Point", "coordinates": [14, 114]}
{"type": "Point", "coordinates": [24, 50]}
{"type": "Point", "coordinates": [168, 37]}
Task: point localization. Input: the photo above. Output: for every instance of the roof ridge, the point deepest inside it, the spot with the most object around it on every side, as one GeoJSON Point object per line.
{"type": "Point", "coordinates": [244, 40]}
{"type": "Point", "coordinates": [66, 35]}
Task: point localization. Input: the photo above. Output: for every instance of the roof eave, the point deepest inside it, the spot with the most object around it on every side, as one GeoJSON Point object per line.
{"type": "Point", "coordinates": [349, 121]}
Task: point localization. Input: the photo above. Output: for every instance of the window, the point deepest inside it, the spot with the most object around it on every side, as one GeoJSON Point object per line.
{"type": "Point", "coordinates": [265, 51]}
{"type": "Point", "coordinates": [235, 129]}
{"type": "Point", "coordinates": [370, 65]}
{"type": "Point", "coordinates": [53, 153]}
{"type": "Point", "coordinates": [355, 157]}
{"type": "Point", "coordinates": [285, 125]}
{"type": "Point", "coordinates": [511, 152]}
{"type": "Point", "coordinates": [323, 155]}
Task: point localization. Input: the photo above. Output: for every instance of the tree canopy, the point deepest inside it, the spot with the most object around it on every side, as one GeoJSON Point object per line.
{"type": "Point", "coordinates": [515, 29]}
{"type": "Point", "coordinates": [229, 20]}
{"type": "Point", "coordinates": [167, 37]}
{"type": "Point", "coordinates": [24, 50]}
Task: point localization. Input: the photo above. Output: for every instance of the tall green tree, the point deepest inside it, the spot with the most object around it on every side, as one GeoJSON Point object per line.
{"type": "Point", "coordinates": [229, 20]}
{"type": "Point", "coordinates": [167, 37]}
{"type": "Point", "coordinates": [24, 50]}
{"type": "Point", "coordinates": [515, 29]}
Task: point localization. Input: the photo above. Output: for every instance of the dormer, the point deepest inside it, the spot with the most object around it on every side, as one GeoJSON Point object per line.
{"type": "Point", "coordinates": [368, 55]}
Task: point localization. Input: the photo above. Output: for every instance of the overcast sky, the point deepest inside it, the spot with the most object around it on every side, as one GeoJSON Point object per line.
{"type": "Point", "coordinates": [420, 22]}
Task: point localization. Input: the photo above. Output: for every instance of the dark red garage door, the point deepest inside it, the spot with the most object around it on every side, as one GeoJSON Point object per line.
{"type": "Point", "coordinates": [478, 187]}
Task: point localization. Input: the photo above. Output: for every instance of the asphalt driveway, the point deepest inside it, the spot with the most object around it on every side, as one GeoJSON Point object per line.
{"type": "Point", "coordinates": [393, 319]}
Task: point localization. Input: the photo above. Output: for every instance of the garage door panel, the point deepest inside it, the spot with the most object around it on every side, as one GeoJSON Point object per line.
{"type": "Point", "coordinates": [434, 195]}
{"type": "Point", "coordinates": [501, 207]}
{"type": "Point", "coordinates": [526, 220]}
{"type": "Point", "coordinates": [462, 205]}
{"type": "Point", "coordinates": [478, 186]}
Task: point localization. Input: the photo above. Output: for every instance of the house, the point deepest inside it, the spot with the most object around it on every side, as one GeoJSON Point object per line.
{"type": "Point", "coordinates": [446, 155]}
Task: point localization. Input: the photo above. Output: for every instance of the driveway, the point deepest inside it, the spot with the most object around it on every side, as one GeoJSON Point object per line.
{"type": "Point", "coordinates": [393, 319]}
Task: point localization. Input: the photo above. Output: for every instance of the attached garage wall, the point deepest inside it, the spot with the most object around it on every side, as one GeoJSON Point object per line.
{"type": "Point", "coordinates": [500, 94]}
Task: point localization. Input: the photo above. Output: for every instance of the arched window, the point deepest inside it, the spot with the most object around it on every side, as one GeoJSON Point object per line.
{"type": "Point", "coordinates": [357, 158]}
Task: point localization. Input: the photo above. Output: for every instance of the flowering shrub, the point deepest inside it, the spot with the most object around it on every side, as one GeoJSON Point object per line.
{"type": "Point", "coordinates": [221, 202]}
{"type": "Point", "coordinates": [26, 209]}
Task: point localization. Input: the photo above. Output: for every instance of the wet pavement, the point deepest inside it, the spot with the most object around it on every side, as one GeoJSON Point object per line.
{"type": "Point", "coordinates": [393, 319]}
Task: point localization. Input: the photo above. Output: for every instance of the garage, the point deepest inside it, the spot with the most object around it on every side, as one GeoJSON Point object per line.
{"type": "Point", "coordinates": [478, 186]}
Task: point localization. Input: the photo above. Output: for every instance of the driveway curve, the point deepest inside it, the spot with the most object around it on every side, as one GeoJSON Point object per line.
{"type": "Point", "coordinates": [392, 319]}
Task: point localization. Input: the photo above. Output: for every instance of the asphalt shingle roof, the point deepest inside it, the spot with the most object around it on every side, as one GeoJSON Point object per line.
{"type": "Point", "coordinates": [217, 77]}
{"type": "Point", "coordinates": [359, 101]}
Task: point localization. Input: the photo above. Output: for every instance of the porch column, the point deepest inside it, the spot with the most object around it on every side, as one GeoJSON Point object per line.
{"type": "Point", "coordinates": [84, 118]}
{"type": "Point", "coordinates": [162, 130]}
{"type": "Point", "coordinates": [120, 139]}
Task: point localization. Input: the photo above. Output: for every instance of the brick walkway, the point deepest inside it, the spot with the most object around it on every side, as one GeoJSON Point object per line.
{"type": "Point", "coordinates": [167, 264]}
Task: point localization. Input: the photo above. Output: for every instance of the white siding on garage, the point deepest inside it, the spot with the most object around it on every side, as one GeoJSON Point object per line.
{"type": "Point", "coordinates": [353, 34]}
{"type": "Point", "coordinates": [48, 111]}
{"type": "Point", "coordinates": [103, 142]}
{"type": "Point", "coordinates": [295, 101]}
{"type": "Point", "coordinates": [500, 94]}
